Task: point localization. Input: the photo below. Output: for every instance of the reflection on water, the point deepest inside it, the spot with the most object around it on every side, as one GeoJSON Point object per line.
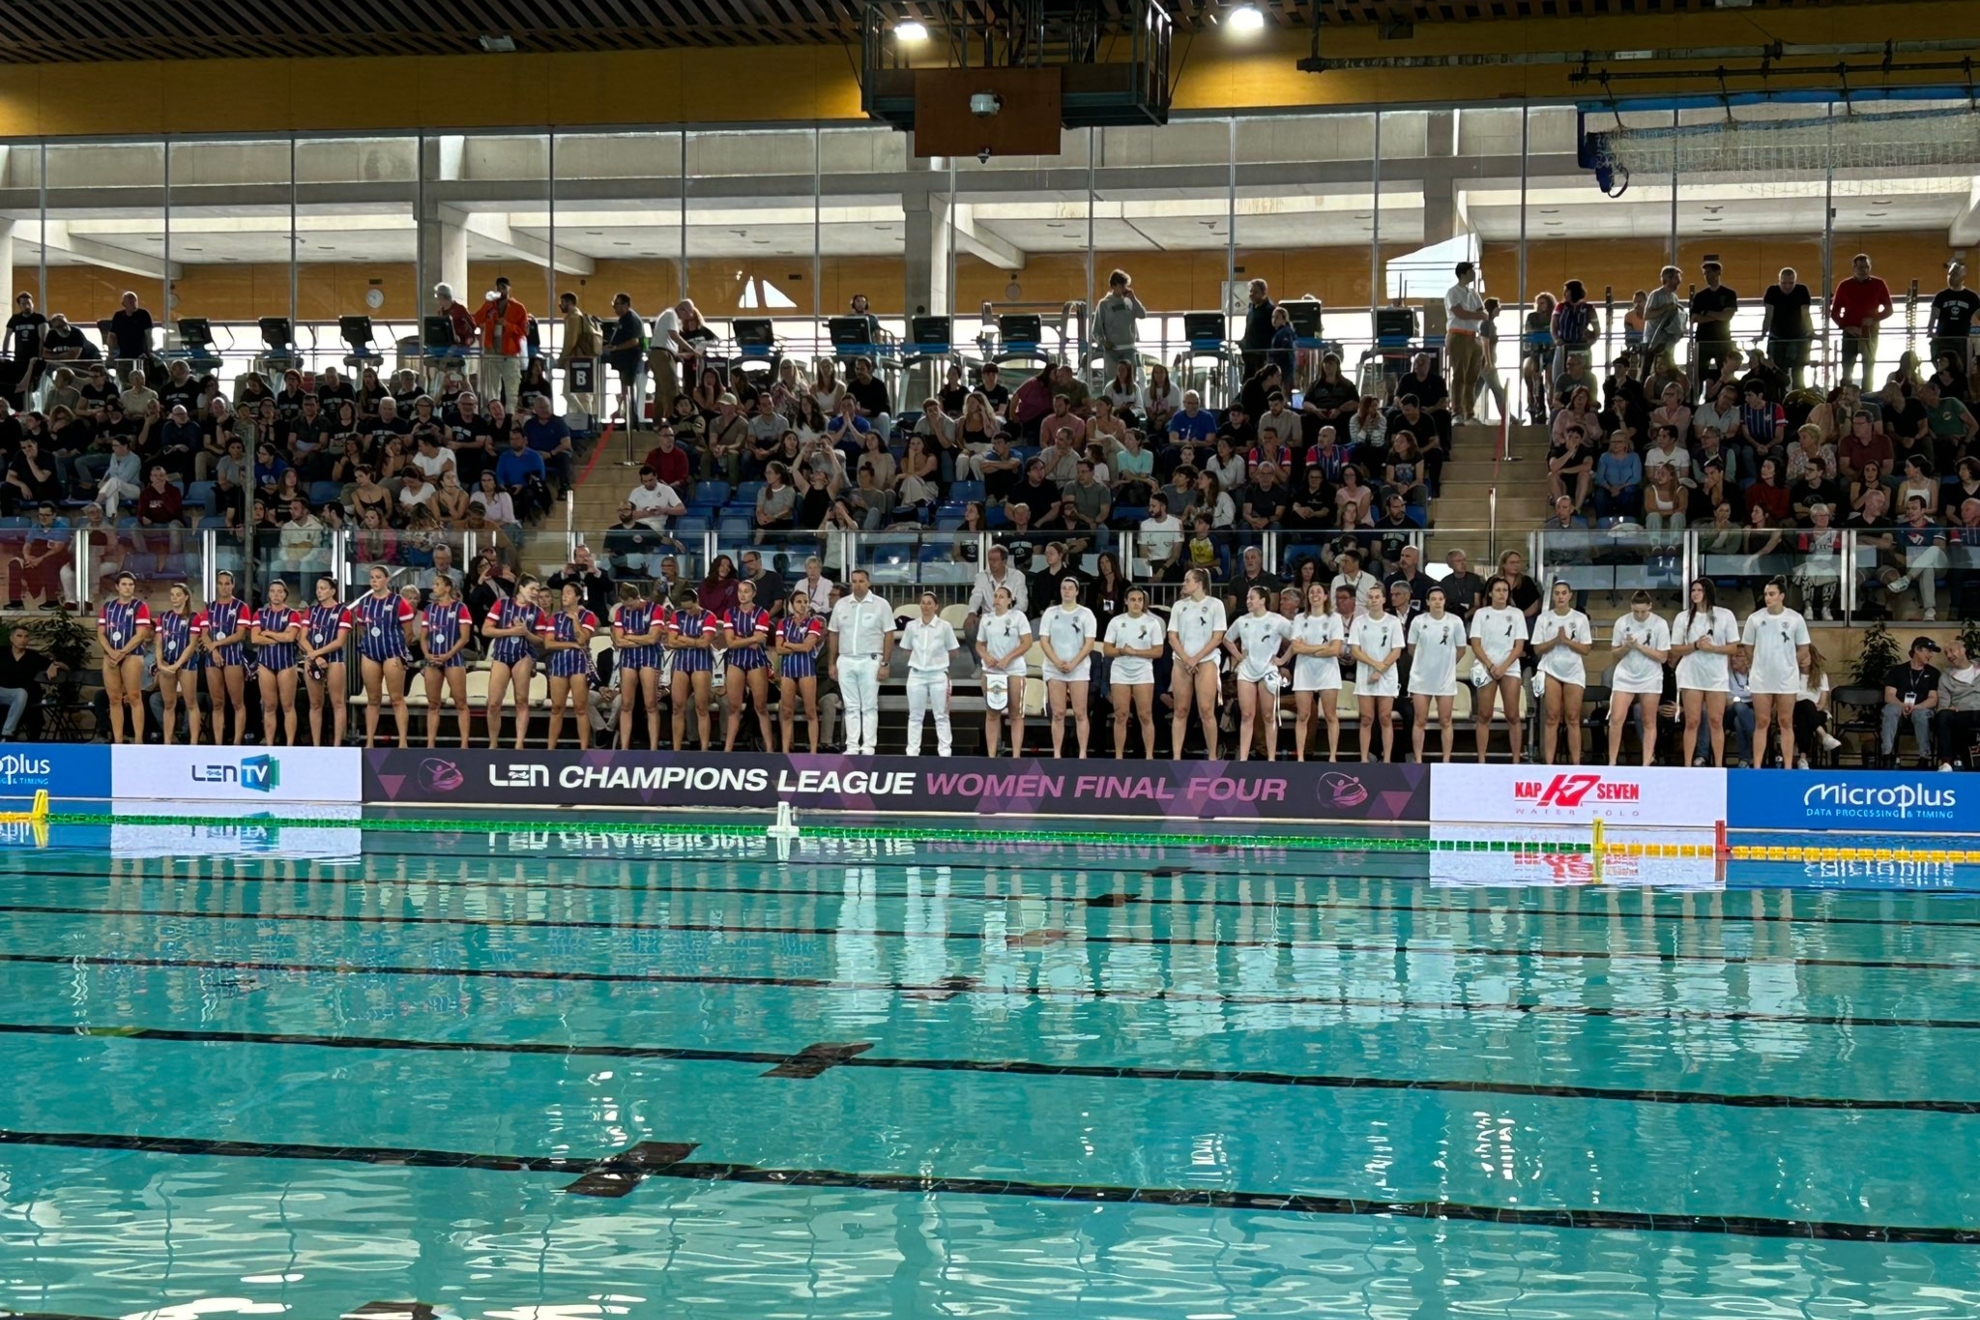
{"type": "Point", "coordinates": [1211, 1024]}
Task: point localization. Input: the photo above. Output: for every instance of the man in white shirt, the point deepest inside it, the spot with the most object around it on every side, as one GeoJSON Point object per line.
{"type": "Point", "coordinates": [861, 638]}
{"type": "Point", "coordinates": [1161, 538]}
{"type": "Point", "coordinates": [983, 598]}
{"type": "Point", "coordinates": [653, 502]}
{"type": "Point", "coordinates": [1464, 317]}
{"type": "Point", "coordinates": [1663, 316]}
{"type": "Point", "coordinates": [663, 354]}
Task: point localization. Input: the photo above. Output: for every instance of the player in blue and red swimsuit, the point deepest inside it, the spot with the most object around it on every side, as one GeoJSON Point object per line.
{"type": "Point", "coordinates": [510, 631]}
{"type": "Point", "coordinates": [382, 621]}
{"type": "Point", "coordinates": [445, 628]}
{"type": "Point", "coordinates": [226, 633]}
{"type": "Point", "coordinates": [179, 630]}
{"type": "Point", "coordinates": [325, 637]}
{"type": "Point", "coordinates": [636, 631]}
{"type": "Point", "coordinates": [747, 630]}
{"type": "Point", "coordinates": [277, 625]}
{"type": "Point", "coordinates": [123, 626]}
{"type": "Point", "coordinates": [798, 640]}
{"type": "Point", "coordinates": [691, 635]}
{"type": "Point", "coordinates": [567, 638]}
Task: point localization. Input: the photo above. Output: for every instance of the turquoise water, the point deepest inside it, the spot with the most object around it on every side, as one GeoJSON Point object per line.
{"type": "Point", "coordinates": [367, 1068]}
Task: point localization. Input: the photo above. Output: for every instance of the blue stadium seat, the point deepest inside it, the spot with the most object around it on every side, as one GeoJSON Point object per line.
{"type": "Point", "coordinates": [965, 492]}
{"type": "Point", "coordinates": [325, 492]}
{"type": "Point", "coordinates": [709, 495]}
{"type": "Point", "coordinates": [746, 494]}
{"type": "Point", "coordinates": [200, 493]}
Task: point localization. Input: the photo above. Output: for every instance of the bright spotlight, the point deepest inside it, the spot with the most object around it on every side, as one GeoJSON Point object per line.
{"type": "Point", "coordinates": [1246, 18]}
{"type": "Point", "coordinates": [909, 30]}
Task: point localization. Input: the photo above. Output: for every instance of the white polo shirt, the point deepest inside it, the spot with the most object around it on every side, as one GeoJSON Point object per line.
{"type": "Point", "coordinates": [862, 625]}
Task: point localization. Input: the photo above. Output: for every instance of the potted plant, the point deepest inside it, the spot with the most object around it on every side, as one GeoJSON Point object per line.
{"type": "Point", "coordinates": [62, 637]}
{"type": "Point", "coordinates": [1879, 654]}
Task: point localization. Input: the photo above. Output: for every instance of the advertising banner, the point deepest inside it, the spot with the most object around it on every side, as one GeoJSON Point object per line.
{"type": "Point", "coordinates": [1577, 795]}
{"type": "Point", "coordinates": [1162, 789]}
{"type": "Point", "coordinates": [267, 779]}
{"type": "Point", "coordinates": [66, 770]}
{"type": "Point", "coordinates": [1860, 801]}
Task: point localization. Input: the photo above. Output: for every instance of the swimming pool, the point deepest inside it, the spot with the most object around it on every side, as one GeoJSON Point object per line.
{"type": "Point", "coordinates": [571, 1073]}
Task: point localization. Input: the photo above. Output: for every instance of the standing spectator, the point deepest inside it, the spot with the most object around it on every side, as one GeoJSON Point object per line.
{"type": "Point", "coordinates": [1861, 304]}
{"type": "Point", "coordinates": [594, 585]}
{"type": "Point", "coordinates": [580, 342]}
{"type": "Point", "coordinates": [1465, 317]}
{"type": "Point", "coordinates": [1114, 329]}
{"type": "Point", "coordinates": [504, 326]}
{"type": "Point", "coordinates": [130, 329]}
{"type": "Point", "coordinates": [24, 330]}
{"type": "Point", "coordinates": [1787, 324]}
{"type": "Point", "coordinates": [1663, 318]}
{"type": "Point", "coordinates": [625, 350]}
{"type": "Point", "coordinates": [1911, 692]}
{"type": "Point", "coordinates": [1712, 310]}
{"type": "Point", "coordinates": [1575, 325]}
{"type": "Point", "coordinates": [461, 325]}
{"type": "Point", "coordinates": [1257, 340]}
{"type": "Point", "coordinates": [1953, 309]}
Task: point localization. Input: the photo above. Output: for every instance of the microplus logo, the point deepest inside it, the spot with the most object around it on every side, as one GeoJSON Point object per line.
{"type": "Point", "coordinates": [1867, 802]}
{"type": "Point", "coordinates": [260, 774]}
{"type": "Point", "coordinates": [16, 768]}
{"type": "Point", "coordinates": [1570, 791]}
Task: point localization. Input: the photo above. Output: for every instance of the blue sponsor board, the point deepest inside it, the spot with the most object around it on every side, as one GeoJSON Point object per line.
{"type": "Point", "coordinates": [1855, 801]}
{"type": "Point", "coordinates": [66, 770]}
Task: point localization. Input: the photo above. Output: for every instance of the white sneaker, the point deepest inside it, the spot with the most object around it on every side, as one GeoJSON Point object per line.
{"type": "Point", "coordinates": [1898, 584]}
{"type": "Point", "coordinates": [1801, 763]}
{"type": "Point", "coordinates": [1828, 740]}
{"type": "Point", "coordinates": [1931, 616]}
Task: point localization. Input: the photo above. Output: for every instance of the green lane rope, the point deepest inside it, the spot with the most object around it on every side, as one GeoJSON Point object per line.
{"type": "Point", "coordinates": [912, 831]}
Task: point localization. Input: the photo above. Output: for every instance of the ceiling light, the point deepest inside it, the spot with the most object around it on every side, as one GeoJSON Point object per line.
{"type": "Point", "coordinates": [910, 30]}
{"type": "Point", "coordinates": [1246, 18]}
{"type": "Point", "coordinates": [498, 43]}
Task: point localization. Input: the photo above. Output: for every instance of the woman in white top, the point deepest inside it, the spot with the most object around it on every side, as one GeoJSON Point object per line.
{"type": "Point", "coordinates": [1702, 639]}
{"type": "Point", "coordinates": [1777, 640]}
{"type": "Point", "coordinates": [1068, 634]}
{"type": "Point", "coordinates": [1641, 642]}
{"type": "Point", "coordinates": [1133, 645]}
{"type": "Point", "coordinates": [928, 641]}
{"type": "Point", "coordinates": [1811, 710]}
{"type": "Point", "coordinates": [1002, 638]}
{"type": "Point", "coordinates": [1562, 636]}
{"type": "Point", "coordinates": [1375, 640]}
{"type": "Point", "coordinates": [1317, 640]}
{"type": "Point", "coordinates": [1435, 639]}
{"type": "Point", "coordinates": [1254, 643]}
{"type": "Point", "coordinates": [826, 390]}
{"type": "Point", "coordinates": [1196, 630]}
{"type": "Point", "coordinates": [1498, 639]}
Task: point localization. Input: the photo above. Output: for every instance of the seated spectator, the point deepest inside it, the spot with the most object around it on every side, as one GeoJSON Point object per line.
{"type": "Point", "coordinates": [1911, 693]}
{"type": "Point", "coordinates": [1093, 503]}
{"type": "Point", "coordinates": [522, 473]}
{"type": "Point", "coordinates": [1160, 536]}
{"type": "Point", "coordinates": [776, 503]}
{"type": "Point", "coordinates": [1672, 411]}
{"type": "Point", "coordinates": [1238, 428]}
{"type": "Point", "coordinates": [120, 477]}
{"type": "Point", "coordinates": [1327, 454]}
{"type": "Point", "coordinates": [1192, 422]}
{"type": "Point", "coordinates": [1921, 545]}
{"type": "Point", "coordinates": [1666, 452]}
{"type": "Point", "coordinates": [633, 546]}
{"type": "Point", "coordinates": [1405, 472]}
{"type": "Point", "coordinates": [550, 437]}
{"type": "Point", "coordinates": [1133, 476]}
{"type": "Point", "coordinates": [159, 503]}
{"type": "Point", "coordinates": [1265, 498]}
{"type": "Point", "coordinates": [1310, 506]}
{"type": "Point", "coordinates": [1956, 724]}
{"type": "Point", "coordinates": [1767, 491]}
{"type": "Point", "coordinates": [653, 502]}
{"type": "Point", "coordinates": [1251, 573]}
{"type": "Point", "coordinates": [1580, 411]}
{"type": "Point", "coordinates": [31, 480]}
{"type": "Point", "coordinates": [1619, 481]}
{"type": "Point", "coordinates": [1570, 468]}
{"type": "Point", "coordinates": [494, 502]}
{"type": "Point", "coordinates": [1577, 376]}
{"type": "Point", "coordinates": [1761, 421]}
{"type": "Point", "coordinates": [669, 461]}
{"type": "Point", "coordinates": [594, 584]}
{"type": "Point", "coordinates": [1355, 499]}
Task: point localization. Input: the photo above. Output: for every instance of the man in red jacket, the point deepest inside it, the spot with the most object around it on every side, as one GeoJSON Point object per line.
{"type": "Point", "coordinates": [504, 326]}
{"type": "Point", "coordinates": [1861, 304]}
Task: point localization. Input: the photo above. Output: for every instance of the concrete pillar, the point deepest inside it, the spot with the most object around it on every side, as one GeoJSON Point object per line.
{"type": "Point", "coordinates": [7, 265]}
{"type": "Point", "coordinates": [1442, 217]}
{"type": "Point", "coordinates": [443, 255]}
{"type": "Point", "coordinates": [927, 253]}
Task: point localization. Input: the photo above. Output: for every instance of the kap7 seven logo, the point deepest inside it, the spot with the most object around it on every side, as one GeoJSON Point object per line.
{"type": "Point", "coordinates": [1569, 791]}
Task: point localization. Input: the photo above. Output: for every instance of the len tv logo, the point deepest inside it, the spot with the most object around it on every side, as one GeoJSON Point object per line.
{"type": "Point", "coordinates": [259, 774]}
{"type": "Point", "coordinates": [1570, 791]}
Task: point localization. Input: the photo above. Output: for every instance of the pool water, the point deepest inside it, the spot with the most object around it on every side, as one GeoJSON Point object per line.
{"type": "Point", "coordinates": [547, 1075]}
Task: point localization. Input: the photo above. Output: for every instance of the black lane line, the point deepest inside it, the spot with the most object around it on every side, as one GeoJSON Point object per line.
{"type": "Point", "coordinates": [1027, 939]}
{"type": "Point", "coordinates": [948, 988]}
{"type": "Point", "coordinates": [814, 1060]}
{"type": "Point", "coordinates": [921, 1185]}
{"type": "Point", "coordinates": [1098, 900]}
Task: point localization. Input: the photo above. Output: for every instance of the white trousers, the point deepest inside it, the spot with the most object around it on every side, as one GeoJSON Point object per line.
{"type": "Point", "coordinates": [859, 689]}
{"type": "Point", "coordinates": [110, 490]}
{"type": "Point", "coordinates": [928, 694]}
{"type": "Point", "coordinates": [501, 378]}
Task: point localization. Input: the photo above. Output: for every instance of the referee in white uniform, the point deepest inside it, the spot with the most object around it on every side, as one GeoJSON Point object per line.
{"type": "Point", "coordinates": [862, 645]}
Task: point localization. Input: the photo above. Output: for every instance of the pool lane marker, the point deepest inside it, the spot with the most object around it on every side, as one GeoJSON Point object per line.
{"type": "Point", "coordinates": [857, 1058]}
{"type": "Point", "coordinates": [634, 1169]}
{"type": "Point", "coordinates": [391, 1311]}
{"type": "Point", "coordinates": [813, 1060]}
{"type": "Point", "coordinates": [615, 1175]}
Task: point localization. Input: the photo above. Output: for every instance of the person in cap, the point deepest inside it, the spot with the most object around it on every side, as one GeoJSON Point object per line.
{"type": "Point", "coordinates": [1911, 692]}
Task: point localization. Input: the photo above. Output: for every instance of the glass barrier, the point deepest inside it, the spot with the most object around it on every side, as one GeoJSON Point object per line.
{"type": "Point", "coordinates": [41, 558]}
{"type": "Point", "coordinates": [1607, 566]}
